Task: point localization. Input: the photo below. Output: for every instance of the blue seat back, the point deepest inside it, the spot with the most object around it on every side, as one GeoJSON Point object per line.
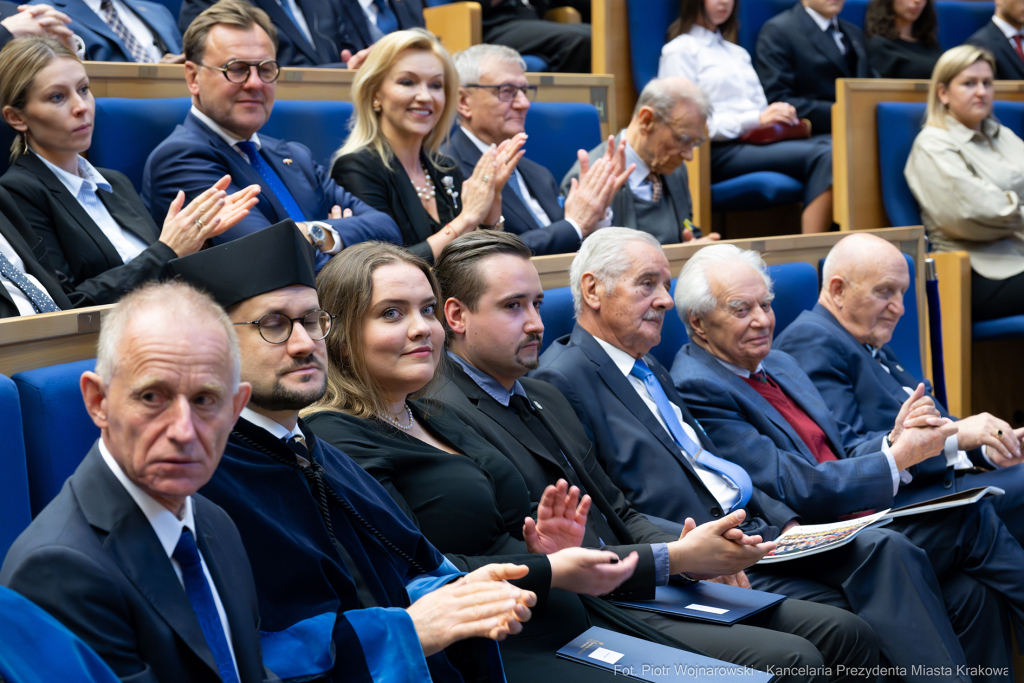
{"type": "Point", "coordinates": [558, 315]}
{"type": "Point", "coordinates": [557, 130]}
{"type": "Point", "coordinates": [796, 290]}
{"type": "Point", "coordinates": [15, 512]}
{"type": "Point", "coordinates": [906, 338]}
{"type": "Point", "coordinates": [173, 5]}
{"type": "Point", "coordinates": [898, 125]}
{"type": "Point", "coordinates": [648, 23]}
{"type": "Point", "coordinates": [321, 125]}
{"type": "Point", "coordinates": [753, 15]}
{"type": "Point", "coordinates": [127, 129]}
{"type": "Point", "coordinates": [755, 191]}
{"type": "Point", "coordinates": [1011, 115]}
{"type": "Point", "coordinates": [854, 11]}
{"type": "Point", "coordinates": [959, 19]}
{"type": "Point", "coordinates": [58, 430]}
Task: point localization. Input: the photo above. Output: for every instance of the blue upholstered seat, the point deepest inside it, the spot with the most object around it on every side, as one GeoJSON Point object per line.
{"type": "Point", "coordinates": [558, 314]}
{"type": "Point", "coordinates": [321, 125]}
{"type": "Point", "coordinates": [648, 23]}
{"type": "Point", "coordinates": [557, 130]}
{"type": "Point", "coordinates": [58, 430]}
{"type": "Point", "coordinates": [754, 191]}
{"type": "Point", "coordinates": [854, 11]}
{"type": "Point", "coordinates": [1011, 327]}
{"type": "Point", "coordinates": [959, 19]}
{"type": "Point", "coordinates": [15, 513]}
{"type": "Point", "coordinates": [127, 129]}
{"type": "Point", "coordinates": [906, 338]}
{"type": "Point", "coordinates": [898, 125]}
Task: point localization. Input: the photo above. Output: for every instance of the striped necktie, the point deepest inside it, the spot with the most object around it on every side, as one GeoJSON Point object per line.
{"type": "Point", "coordinates": [113, 20]}
{"type": "Point", "coordinates": [39, 299]}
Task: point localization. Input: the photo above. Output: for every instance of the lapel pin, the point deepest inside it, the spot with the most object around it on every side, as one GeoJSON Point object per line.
{"type": "Point", "coordinates": [538, 406]}
{"type": "Point", "coordinates": [899, 368]}
{"type": "Point", "coordinates": [287, 162]}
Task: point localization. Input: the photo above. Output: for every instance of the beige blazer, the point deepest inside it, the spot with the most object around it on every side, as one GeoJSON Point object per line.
{"type": "Point", "coordinates": [969, 185]}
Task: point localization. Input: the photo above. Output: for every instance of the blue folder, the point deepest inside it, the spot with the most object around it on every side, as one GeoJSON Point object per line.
{"type": "Point", "coordinates": [644, 661]}
{"type": "Point", "coordinates": [705, 601]}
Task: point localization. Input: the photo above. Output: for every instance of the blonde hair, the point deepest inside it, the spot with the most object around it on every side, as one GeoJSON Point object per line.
{"type": "Point", "coordinates": [365, 124]}
{"type": "Point", "coordinates": [20, 61]}
{"type": "Point", "coordinates": [345, 286]}
{"type": "Point", "coordinates": [951, 63]}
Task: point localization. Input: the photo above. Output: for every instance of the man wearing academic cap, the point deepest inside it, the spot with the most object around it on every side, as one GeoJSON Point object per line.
{"type": "Point", "coordinates": [348, 588]}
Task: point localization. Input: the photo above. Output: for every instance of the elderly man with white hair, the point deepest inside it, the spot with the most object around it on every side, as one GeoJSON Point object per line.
{"type": "Point", "coordinates": [494, 98]}
{"type": "Point", "coordinates": [669, 121]}
{"type": "Point", "coordinates": [766, 416]}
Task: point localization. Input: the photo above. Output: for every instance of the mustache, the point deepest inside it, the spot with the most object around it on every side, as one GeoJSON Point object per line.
{"type": "Point", "coordinates": [529, 339]}
{"type": "Point", "coordinates": [655, 315]}
{"type": "Point", "coordinates": [310, 360]}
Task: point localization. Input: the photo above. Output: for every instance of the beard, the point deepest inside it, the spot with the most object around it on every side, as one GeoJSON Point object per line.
{"type": "Point", "coordinates": [532, 362]}
{"type": "Point", "coordinates": [278, 397]}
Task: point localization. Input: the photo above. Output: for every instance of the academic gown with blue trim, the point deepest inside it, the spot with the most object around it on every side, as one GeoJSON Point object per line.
{"type": "Point", "coordinates": [314, 618]}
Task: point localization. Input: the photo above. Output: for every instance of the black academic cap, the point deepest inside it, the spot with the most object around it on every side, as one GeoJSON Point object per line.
{"type": "Point", "coordinates": [272, 258]}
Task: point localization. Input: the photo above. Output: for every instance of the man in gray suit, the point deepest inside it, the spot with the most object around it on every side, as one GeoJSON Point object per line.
{"type": "Point", "coordinates": [669, 121]}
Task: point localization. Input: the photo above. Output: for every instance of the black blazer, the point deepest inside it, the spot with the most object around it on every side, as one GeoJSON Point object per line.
{"type": "Point", "coordinates": [92, 560]}
{"type": "Point", "coordinates": [799, 63]}
{"type": "Point", "coordinates": [632, 446]}
{"type": "Point", "coordinates": [75, 245]}
{"type": "Point", "coordinates": [1009, 66]}
{"type": "Point", "coordinates": [29, 247]}
{"type": "Point", "coordinates": [389, 190]}
{"type": "Point", "coordinates": [355, 27]}
{"type": "Point", "coordinates": [559, 237]}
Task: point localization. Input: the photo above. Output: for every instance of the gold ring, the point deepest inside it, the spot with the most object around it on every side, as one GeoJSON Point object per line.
{"type": "Point", "coordinates": [199, 222]}
{"type": "Point", "coordinates": [999, 433]}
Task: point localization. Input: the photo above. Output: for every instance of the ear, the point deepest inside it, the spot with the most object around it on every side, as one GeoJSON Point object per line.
{"type": "Point", "coordinates": [95, 399]}
{"type": "Point", "coordinates": [14, 119]}
{"type": "Point", "coordinates": [837, 289]}
{"type": "Point", "coordinates": [697, 325]}
{"type": "Point", "coordinates": [463, 107]}
{"type": "Point", "coordinates": [192, 77]}
{"type": "Point", "coordinates": [591, 291]}
{"type": "Point", "coordinates": [645, 117]}
{"type": "Point", "coordinates": [241, 398]}
{"type": "Point", "coordinates": [942, 92]}
{"type": "Point", "coordinates": [455, 314]}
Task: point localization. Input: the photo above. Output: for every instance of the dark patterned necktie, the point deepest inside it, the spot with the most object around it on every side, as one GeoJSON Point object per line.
{"type": "Point", "coordinates": [135, 48]}
{"type": "Point", "coordinates": [272, 180]}
{"type": "Point", "coordinates": [40, 301]}
{"type": "Point", "coordinates": [655, 186]}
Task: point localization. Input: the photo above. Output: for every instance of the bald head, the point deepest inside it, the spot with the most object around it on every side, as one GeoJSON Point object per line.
{"type": "Point", "coordinates": [864, 280]}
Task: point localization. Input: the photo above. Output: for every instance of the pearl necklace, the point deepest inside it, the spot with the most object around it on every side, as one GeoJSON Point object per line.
{"type": "Point", "coordinates": [427, 192]}
{"type": "Point", "coordinates": [393, 421]}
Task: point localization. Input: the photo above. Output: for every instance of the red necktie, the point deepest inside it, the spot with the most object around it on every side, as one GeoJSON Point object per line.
{"type": "Point", "coordinates": [1020, 50]}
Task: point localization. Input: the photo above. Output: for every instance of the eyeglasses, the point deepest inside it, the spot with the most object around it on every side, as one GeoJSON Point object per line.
{"type": "Point", "coordinates": [276, 328]}
{"type": "Point", "coordinates": [237, 71]}
{"type": "Point", "coordinates": [506, 92]}
{"type": "Point", "coordinates": [681, 139]}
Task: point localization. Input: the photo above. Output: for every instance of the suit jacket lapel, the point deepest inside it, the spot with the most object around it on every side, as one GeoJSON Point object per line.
{"type": "Point", "coordinates": [411, 203]}
{"type": "Point", "coordinates": [816, 410]}
{"type": "Point", "coordinates": [535, 182]}
{"type": "Point", "coordinates": [135, 548]}
{"type": "Point", "coordinates": [823, 41]}
{"type": "Point", "coordinates": [90, 19]}
{"type": "Point", "coordinates": [28, 246]}
{"type": "Point", "coordinates": [284, 23]}
{"type": "Point", "coordinates": [164, 40]}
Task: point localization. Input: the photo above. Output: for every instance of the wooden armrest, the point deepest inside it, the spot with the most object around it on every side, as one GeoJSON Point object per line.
{"type": "Point", "coordinates": [564, 15]}
{"type": "Point", "coordinates": [953, 269]}
{"type": "Point", "coordinates": [458, 25]}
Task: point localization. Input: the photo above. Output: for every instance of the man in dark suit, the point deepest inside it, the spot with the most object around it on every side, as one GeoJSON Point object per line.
{"type": "Point", "coordinates": [494, 99]}
{"type": "Point", "coordinates": [520, 24]}
{"type": "Point", "coordinates": [219, 136]}
{"type": "Point", "coordinates": [150, 575]}
{"type": "Point", "coordinates": [124, 31]}
{"type": "Point", "coordinates": [492, 292]}
{"type": "Point", "coordinates": [1004, 38]}
{"type": "Point", "coordinates": [842, 345]}
{"type": "Point", "coordinates": [800, 54]}
{"type": "Point", "coordinates": [766, 415]}
{"type": "Point", "coordinates": [34, 20]}
{"type": "Point", "coordinates": [668, 122]}
{"type": "Point", "coordinates": [660, 456]}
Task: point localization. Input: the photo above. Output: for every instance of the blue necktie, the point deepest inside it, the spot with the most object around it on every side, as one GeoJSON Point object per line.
{"type": "Point", "coordinates": [514, 182]}
{"type": "Point", "coordinates": [387, 22]}
{"type": "Point", "coordinates": [201, 597]}
{"type": "Point", "coordinates": [731, 471]}
{"type": "Point", "coordinates": [272, 180]}
{"type": "Point", "coordinates": [286, 6]}
{"type": "Point", "coordinates": [37, 297]}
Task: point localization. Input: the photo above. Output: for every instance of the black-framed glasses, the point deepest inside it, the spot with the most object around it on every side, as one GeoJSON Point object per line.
{"type": "Point", "coordinates": [276, 328]}
{"type": "Point", "coordinates": [506, 92]}
{"type": "Point", "coordinates": [237, 70]}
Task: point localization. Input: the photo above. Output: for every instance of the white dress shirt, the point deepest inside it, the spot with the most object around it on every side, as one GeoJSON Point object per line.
{"type": "Point", "coordinates": [824, 23]}
{"type": "Point", "coordinates": [17, 296]}
{"type": "Point", "coordinates": [278, 430]}
{"type": "Point", "coordinates": [300, 18]}
{"type": "Point", "coordinates": [1009, 31]}
{"type": "Point", "coordinates": [724, 72]}
{"type": "Point", "coordinates": [83, 188]}
{"type": "Point", "coordinates": [639, 183]}
{"type": "Point", "coordinates": [168, 530]}
{"type": "Point", "coordinates": [722, 488]}
{"type": "Point", "coordinates": [136, 26]}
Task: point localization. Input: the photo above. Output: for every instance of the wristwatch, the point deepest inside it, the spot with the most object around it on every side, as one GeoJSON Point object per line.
{"type": "Point", "coordinates": [317, 235]}
{"type": "Point", "coordinates": [499, 226]}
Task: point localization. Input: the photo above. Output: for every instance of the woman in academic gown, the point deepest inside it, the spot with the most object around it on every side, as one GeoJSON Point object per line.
{"type": "Point", "coordinates": [92, 222]}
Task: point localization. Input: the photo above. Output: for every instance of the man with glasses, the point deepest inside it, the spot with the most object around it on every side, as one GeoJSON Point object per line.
{"type": "Point", "coordinates": [668, 123]}
{"type": "Point", "coordinates": [348, 588]}
{"type": "Point", "coordinates": [493, 102]}
{"type": "Point", "coordinates": [231, 71]}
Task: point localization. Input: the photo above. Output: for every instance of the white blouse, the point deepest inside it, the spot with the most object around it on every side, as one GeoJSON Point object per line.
{"type": "Point", "coordinates": [724, 72]}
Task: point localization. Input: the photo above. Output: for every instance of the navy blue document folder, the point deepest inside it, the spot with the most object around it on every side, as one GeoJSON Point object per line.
{"type": "Point", "coordinates": [706, 601]}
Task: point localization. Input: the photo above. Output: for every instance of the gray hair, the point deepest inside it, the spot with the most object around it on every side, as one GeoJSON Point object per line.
{"type": "Point", "coordinates": [469, 62]}
{"type": "Point", "coordinates": [662, 95]}
{"type": "Point", "coordinates": [603, 254]}
{"type": "Point", "coordinates": [174, 299]}
{"type": "Point", "coordinates": [693, 288]}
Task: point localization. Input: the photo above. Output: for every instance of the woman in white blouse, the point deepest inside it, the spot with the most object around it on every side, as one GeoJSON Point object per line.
{"type": "Point", "coordinates": [701, 48]}
{"type": "Point", "coordinates": [91, 222]}
{"type": "Point", "coordinates": [967, 173]}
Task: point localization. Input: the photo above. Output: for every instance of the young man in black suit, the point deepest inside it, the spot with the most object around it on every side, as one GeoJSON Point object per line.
{"type": "Point", "coordinates": [1004, 38]}
{"type": "Point", "coordinates": [493, 102]}
{"type": "Point", "coordinates": [492, 293]}
{"type": "Point", "coordinates": [800, 54]}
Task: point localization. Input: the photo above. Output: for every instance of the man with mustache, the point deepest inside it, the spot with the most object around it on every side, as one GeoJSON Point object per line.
{"type": "Point", "coordinates": [349, 590]}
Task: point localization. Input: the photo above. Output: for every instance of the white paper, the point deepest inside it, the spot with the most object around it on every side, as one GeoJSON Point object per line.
{"type": "Point", "coordinates": [605, 655]}
{"type": "Point", "coordinates": [705, 608]}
